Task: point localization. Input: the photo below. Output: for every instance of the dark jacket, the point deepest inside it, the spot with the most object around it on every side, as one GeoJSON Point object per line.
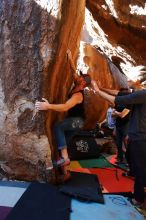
{"type": "Point", "coordinates": [122, 122]}
{"type": "Point", "coordinates": [137, 123]}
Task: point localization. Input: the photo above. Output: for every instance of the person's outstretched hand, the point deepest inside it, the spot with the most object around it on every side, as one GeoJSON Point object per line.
{"type": "Point", "coordinates": [95, 86]}
{"type": "Point", "coordinates": [42, 105]}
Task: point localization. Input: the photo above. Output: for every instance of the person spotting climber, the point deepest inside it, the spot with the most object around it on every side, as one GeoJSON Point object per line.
{"type": "Point", "coordinates": [75, 108]}
{"type": "Point", "coordinates": [121, 115]}
{"type": "Point", "coordinates": [137, 136]}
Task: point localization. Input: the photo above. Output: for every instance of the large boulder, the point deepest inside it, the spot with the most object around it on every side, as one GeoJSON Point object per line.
{"type": "Point", "coordinates": [35, 36]}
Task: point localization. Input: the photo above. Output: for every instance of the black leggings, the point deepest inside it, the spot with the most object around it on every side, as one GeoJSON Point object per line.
{"type": "Point", "coordinates": [137, 150]}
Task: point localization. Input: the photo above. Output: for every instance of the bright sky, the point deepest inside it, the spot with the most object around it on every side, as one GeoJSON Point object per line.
{"type": "Point", "coordinates": [112, 8]}
{"type": "Point", "coordinates": [94, 35]}
{"type": "Point", "coordinates": [49, 5]}
{"type": "Point", "coordinates": [137, 10]}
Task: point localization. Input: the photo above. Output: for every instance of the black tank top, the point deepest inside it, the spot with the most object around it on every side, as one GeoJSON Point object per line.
{"type": "Point", "coordinates": [122, 121]}
{"type": "Point", "coordinates": [77, 110]}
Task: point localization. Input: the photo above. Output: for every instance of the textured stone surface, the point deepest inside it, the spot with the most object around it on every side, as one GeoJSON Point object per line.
{"type": "Point", "coordinates": [26, 48]}
{"type": "Point", "coordinates": [34, 39]}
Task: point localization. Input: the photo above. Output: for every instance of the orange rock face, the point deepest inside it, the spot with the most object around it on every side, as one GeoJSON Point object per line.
{"type": "Point", "coordinates": [122, 26]}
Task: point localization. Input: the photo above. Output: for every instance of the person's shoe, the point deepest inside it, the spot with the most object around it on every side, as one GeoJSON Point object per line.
{"type": "Point", "coordinates": [121, 161]}
{"type": "Point", "coordinates": [67, 176]}
{"type": "Point", "coordinates": [62, 162]}
{"type": "Point", "coordinates": [141, 210]}
{"type": "Point", "coordinates": [128, 174]}
{"type": "Point", "coordinates": [136, 203]}
{"type": "Point", "coordinates": [118, 162]}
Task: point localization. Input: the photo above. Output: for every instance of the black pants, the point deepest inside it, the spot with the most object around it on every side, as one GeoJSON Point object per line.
{"type": "Point", "coordinates": [137, 150]}
{"type": "Point", "coordinates": [121, 132]}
